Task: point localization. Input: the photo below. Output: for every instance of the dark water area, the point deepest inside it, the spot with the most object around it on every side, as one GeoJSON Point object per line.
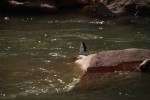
{"type": "Point", "coordinates": [35, 53]}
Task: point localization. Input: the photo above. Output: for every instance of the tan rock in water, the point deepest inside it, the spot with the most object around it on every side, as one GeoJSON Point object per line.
{"type": "Point", "coordinates": [114, 60]}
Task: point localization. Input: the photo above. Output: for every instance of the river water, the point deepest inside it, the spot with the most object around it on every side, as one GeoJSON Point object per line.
{"type": "Point", "coordinates": [36, 53]}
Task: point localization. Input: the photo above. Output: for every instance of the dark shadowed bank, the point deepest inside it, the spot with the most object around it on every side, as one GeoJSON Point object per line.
{"type": "Point", "coordinates": [98, 8]}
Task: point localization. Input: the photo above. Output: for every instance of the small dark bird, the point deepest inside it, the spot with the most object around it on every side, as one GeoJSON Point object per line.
{"type": "Point", "coordinates": [82, 48]}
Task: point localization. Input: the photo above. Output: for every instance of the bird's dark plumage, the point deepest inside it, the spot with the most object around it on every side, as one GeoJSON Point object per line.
{"type": "Point", "coordinates": [83, 47]}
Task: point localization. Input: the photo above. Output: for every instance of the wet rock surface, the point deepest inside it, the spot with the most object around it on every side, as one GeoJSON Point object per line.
{"type": "Point", "coordinates": [114, 60]}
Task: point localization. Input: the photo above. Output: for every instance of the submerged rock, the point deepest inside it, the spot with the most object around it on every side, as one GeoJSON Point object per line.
{"type": "Point", "coordinates": [114, 60]}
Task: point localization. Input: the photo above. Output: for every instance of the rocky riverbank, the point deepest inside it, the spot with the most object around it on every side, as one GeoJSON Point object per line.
{"type": "Point", "coordinates": [47, 6]}
{"type": "Point", "coordinates": [124, 7]}
{"type": "Point", "coordinates": [98, 8]}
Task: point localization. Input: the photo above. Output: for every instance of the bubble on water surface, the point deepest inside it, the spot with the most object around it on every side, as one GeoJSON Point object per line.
{"type": "Point", "coordinates": [45, 35]}
{"type": "Point", "coordinates": [53, 39]}
{"type": "Point", "coordinates": [55, 75]}
{"type": "Point", "coordinates": [71, 47]}
{"type": "Point", "coordinates": [57, 55]}
{"type": "Point", "coordinates": [39, 41]}
{"type": "Point", "coordinates": [6, 18]}
{"type": "Point", "coordinates": [120, 93]}
{"type": "Point", "coordinates": [101, 37]}
{"type": "Point", "coordinates": [100, 28]}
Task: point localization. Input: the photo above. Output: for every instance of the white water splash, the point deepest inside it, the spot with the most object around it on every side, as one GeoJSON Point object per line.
{"type": "Point", "coordinates": [71, 85]}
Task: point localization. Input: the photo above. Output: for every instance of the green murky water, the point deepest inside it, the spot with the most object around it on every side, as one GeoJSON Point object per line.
{"type": "Point", "coordinates": [35, 52]}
